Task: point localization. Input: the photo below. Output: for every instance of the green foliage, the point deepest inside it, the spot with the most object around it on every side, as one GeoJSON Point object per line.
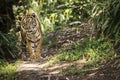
{"type": "Point", "coordinates": [2, 63]}
{"type": "Point", "coordinates": [108, 21]}
{"type": "Point", "coordinates": [93, 51]}
{"type": "Point", "coordinates": [7, 70]}
{"type": "Point", "coordinates": [8, 45]}
{"type": "Point", "coordinates": [70, 71]}
{"type": "Point", "coordinates": [45, 40]}
{"type": "Point", "coordinates": [47, 25]}
{"type": "Point", "coordinates": [8, 37]}
{"type": "Point", "coordinates": [99, 50]}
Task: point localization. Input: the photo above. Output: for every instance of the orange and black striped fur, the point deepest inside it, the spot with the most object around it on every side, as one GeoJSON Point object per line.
{"type": "Point", "coordinates": [31, 35]}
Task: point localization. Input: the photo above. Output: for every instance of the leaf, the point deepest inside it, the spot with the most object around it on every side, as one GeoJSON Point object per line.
{"type": "Point", "coordinates": [105, 24]}
{"type": "Point", "coordinates": [116, 10]}
{"type": "Point", "coordinates": [116, 29]}
{"type": "Point", "coordinates": [4, 37]}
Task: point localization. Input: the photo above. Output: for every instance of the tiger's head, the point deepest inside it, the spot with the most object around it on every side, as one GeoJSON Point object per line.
{"type": "Point", "coordinates": [29, 21]}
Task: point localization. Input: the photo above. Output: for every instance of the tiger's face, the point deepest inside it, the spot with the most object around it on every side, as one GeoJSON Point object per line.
{"type": "Point", "coordinates": [29, 23]}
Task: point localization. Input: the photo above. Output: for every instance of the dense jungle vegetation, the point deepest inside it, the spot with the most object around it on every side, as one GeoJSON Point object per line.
{"type": "Point", "coordinates": [72, 30]}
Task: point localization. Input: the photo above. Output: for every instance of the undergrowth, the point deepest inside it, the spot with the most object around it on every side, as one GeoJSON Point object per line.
{"type": "Point", "coordinates": [7, 70]}
{"type": "Point", "coordinates": [93, 51]}
{"type": "Point", "coordinates": [70, 71]}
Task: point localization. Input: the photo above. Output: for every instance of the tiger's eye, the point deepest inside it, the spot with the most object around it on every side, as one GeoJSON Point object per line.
{"type": "Point", "coordinates": [33, 14]}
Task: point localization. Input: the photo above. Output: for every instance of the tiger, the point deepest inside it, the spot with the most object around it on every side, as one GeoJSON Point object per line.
{"type": "Point", "coordinates": [31, 36]}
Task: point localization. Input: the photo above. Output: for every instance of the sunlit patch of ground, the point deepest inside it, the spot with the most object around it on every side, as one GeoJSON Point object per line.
{"type": "Point", "coordinates": [59, 67]}
{"type": "Point", "coordinates": [41, 68]}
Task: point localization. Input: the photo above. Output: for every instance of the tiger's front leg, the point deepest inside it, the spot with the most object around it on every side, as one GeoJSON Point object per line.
{"type": "Point", "coordinates": [38, 49]}
{"type": "Point", "coordinates": [34, 49]}
{"type": "Point", "coordinates": [30, 48]}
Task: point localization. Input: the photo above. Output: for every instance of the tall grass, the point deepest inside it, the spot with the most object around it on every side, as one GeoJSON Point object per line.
{"type": "Point", "coordinates": [107, 20]}
{"type": "Point", "coordinates": [8, 45]}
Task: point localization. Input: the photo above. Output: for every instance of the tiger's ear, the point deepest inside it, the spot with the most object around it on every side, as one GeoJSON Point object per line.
{"type": "Point", "coordinates": [33, 14]}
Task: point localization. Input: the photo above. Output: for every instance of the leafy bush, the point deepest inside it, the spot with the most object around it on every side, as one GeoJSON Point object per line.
{"type": "Point", "coordinates": [7, 70]}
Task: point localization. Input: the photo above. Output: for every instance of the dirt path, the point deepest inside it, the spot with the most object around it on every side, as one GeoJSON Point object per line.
{"type": "Point", "coordinates": [30, 71]}
{"type": "Point", "coordinates": [41, 70]}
